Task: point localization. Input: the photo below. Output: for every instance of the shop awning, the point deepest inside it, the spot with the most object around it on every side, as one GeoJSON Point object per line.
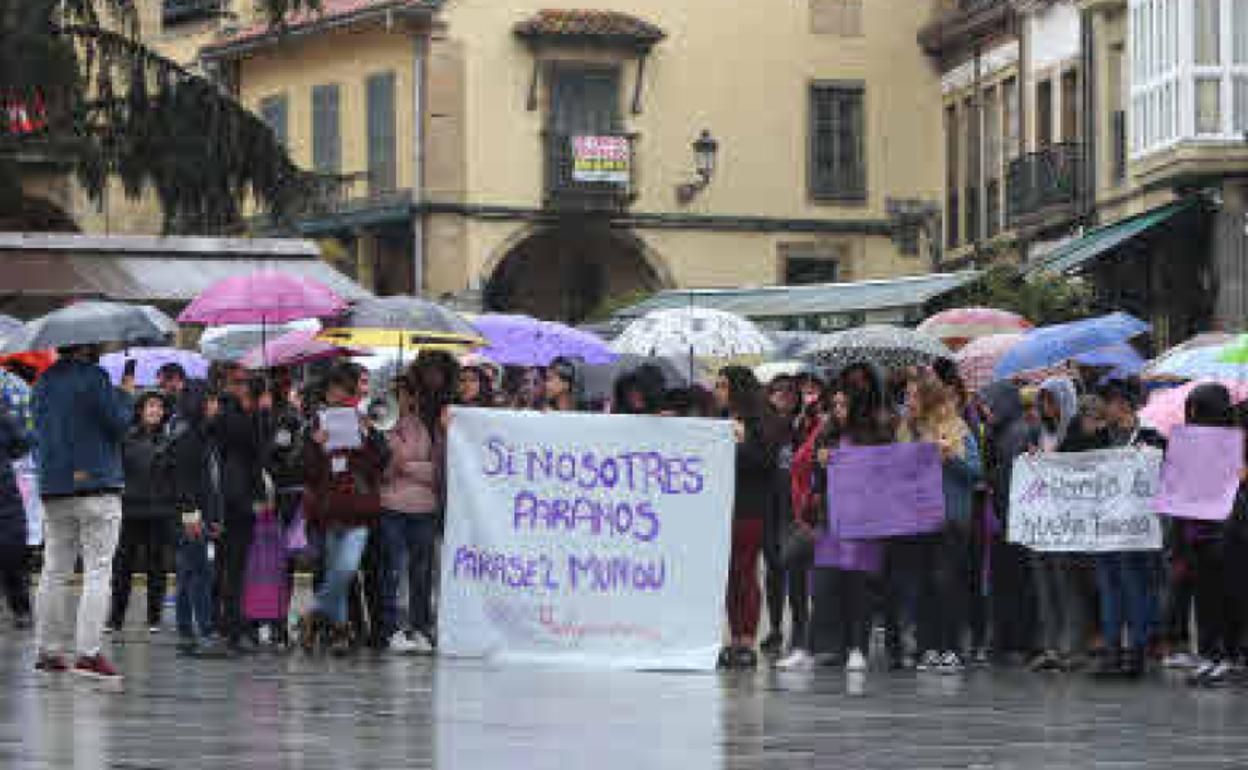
{"type": "Point", "coordinates": [1072, 256]}
{"type": "Point", "coordinates": [149, 269]}
{"type": "Point", "coordinates": [815, 299]}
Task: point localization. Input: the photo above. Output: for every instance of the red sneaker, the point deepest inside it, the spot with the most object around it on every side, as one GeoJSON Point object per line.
{"type": "Point", "coordinates": [96, 667]}
{"type": "Point", "coordinates": [47, 663]}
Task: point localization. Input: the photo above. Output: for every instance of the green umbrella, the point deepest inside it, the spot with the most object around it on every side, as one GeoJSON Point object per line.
{"type": "Point", "coordinates": [1235, 351]}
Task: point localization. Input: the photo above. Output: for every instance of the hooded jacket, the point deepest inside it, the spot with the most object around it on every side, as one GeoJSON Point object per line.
{"type": "Point", "coordinates": [149, 461]}
{"type": "Point", "coordinates": [1063, 392]}
{"type": "Point", "coordinates": [1009, 436]}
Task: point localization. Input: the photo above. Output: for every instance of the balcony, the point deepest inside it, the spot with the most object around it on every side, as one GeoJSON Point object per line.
{"type": "Point", "coordinates": [963, 23]}
{"type": "Point", "coordinates": [589, 173]}
{"type": "Point", "coordinates": [1044, 184]}
{"type": "Point", "coordinates": [178, 11]}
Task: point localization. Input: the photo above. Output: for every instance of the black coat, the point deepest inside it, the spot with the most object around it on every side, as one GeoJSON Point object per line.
{"type": "Point", "coordinates": [197, 472]}
{"type": "Point", "coordinates": [756, 462]}
{"type": "Point", "coordinates": [148, 460]}
{"type": "Point", "coordinates": [12, 510]}
{"type": "Point", "coordinates": [241, 437]}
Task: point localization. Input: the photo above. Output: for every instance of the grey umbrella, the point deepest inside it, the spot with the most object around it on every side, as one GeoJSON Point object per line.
{"type": "Point", "coordinates": [407, 314]}
{"type": "Point", "coordinates": [597, 382]}
{"type": "Point", "coordinates": [888, 347]}
{"type": "Point", "coordinates": [93, 323]}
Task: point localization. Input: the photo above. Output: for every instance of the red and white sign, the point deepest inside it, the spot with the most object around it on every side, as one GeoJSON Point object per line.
{"type": "Point", "coordinates": [600, 159]}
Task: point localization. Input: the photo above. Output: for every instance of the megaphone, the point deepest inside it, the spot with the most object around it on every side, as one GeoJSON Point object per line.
{"type": "Point", "coordinates": [383, 412]}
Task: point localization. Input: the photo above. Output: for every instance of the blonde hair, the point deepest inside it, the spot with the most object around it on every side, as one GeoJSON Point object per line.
{"type": "Point", "coordinates": [936, 418]}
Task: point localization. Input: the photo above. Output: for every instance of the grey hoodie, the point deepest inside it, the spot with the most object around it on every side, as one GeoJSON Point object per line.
{"type": "Point", "coordinates": [1009, 436]}
{"type": "Point", "coordinates": [1067, 398]}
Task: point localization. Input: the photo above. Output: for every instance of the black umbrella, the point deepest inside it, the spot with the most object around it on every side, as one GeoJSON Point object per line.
{"type": "Point", "coordinates": [94, 323]}
{"type": "Point", "coordinates": [598, 381]}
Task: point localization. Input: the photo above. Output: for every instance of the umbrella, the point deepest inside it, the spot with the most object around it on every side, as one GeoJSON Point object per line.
{"type": "Point", "coordinates": [598, 380]}
{"type": "Point", "coordinates": [9, 327]}
{"type": "Point", "coordinates": [518, 340]}
{"type": "Point", "coordinates": [1054, 344]}
{"type": "Point", "coordinates": [403, 322]}
{"type": "Point", "coordinates": [1167, 408]}
{"type": "Point", "coordinates": [1122, 359]}
{"type": "Point", "coordinates": [978, 359]}
{"type": "Point", "coordinates": [232, 342]}
{"type": "Point", "coordinates": [263, 297]}
{"type": "Point", "coordinates": [94, 323]}
{"type": "Point", "coordinates": [1176, 360]}
{"type": "Point", "coordinates": [697, 332]}
{"type": "Point", "coordinates": [959, 326]}
{"type": "Point", "coordinates": [150, 360]}
{"type": "Point", "coordinates": [888, 347]}
{"type": "Point", "coordinates": [299, 346]}
{"type": "Point", "coordinates": [791, 345]}
{"type": "Point", "coordinates": [773, 369]}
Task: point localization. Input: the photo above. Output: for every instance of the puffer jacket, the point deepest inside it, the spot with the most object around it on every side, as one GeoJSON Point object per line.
{"type": "Point", "coordinates": [411, 480]}
{"type": "Point", "coordinates": [150, 462]}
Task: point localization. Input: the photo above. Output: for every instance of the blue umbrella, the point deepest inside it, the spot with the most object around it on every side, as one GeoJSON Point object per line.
{"type": "Point", "coordinates": [1122, 359]}
{"type": "Point", "coordinates": [1053, 344]}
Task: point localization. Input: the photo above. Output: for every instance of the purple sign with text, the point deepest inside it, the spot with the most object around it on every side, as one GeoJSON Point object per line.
{"type": "Point", "coordinates": [885, 491]}
{"type": "Point", "coordinates": [1201, 473]}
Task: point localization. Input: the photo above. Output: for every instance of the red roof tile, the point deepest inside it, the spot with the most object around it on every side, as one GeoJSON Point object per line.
{"type": "Point", "coordinates": [331, 11]}
{"type": "Point", "coordinates": [589, 24]}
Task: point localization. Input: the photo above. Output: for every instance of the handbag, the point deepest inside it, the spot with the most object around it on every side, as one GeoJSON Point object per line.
{"type": "Point", "coordinates": [797, 547]}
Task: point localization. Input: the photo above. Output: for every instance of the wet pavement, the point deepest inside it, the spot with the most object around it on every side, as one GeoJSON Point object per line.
{"type": "Point", "coordinates": [290, 712]}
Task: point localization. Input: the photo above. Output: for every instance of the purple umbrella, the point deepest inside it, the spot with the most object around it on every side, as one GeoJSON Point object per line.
{"type": "Point", "coordinates": [292, 349]}
{"type": "Point", "coordinates": [518, 340]}
{"type": "Point", "coordinates": [149, 362]}
{"type": "Point", "coordinates": [263, 297]}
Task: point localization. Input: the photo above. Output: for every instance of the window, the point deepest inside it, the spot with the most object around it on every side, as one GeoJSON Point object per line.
{"type": "Point", "coordinates": [1009, 117]}
{"type": "Point", "coordinates": [952, 228]}
{"type": "Point", "coordinates": [381, 133]}
{"type": "Point", "coordinates": [178, 11]}
{"type": "Point", "coordinates": [842, 18]}
{"type": "Point", "coordinates": [992, 160]}
{"type": "Point", "coordinates": [326, 139]}
{"type": "Point", "coordinates": [971, 177]}
{"type": "Point", "coordinates": [1188, 59]}
{"type": "Point", "coordinates": [837, 143]}
{"type": "Point", "coordinates": [273, 111]}
{"type": "Point", "coordinates": [814, 262]}
{"type": "Point", "coordinates": [1070, 106]}
{"type": "Point", "coordinates": [1044, 114]}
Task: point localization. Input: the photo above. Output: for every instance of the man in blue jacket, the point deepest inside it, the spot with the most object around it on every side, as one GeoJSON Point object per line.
{"type": "Point", "coordinates": [80, 421]}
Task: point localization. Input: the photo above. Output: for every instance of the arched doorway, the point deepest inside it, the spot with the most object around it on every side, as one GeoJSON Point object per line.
{"type": "Point", "coordinates": [564, 272]}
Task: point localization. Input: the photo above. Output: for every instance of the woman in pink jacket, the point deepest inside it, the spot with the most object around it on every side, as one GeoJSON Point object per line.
{"type": "Point", "coordinates": [410, 501]}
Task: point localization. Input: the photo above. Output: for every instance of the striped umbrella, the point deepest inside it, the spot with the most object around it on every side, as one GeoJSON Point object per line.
{"type": "Point", "coordinates": [978, 359]}
{"type": "Point", "coordinates": [959, 326]}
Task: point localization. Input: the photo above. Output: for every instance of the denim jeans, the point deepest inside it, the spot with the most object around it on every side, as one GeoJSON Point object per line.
{"type": "Point", "coordinates": [1122, 579]}
{"type": "Point", "coordinates": [194, 605]}
{"type": "Point", "coordinates": [407, 541]}
{"type": "Point", "coordinates": [341, 556]}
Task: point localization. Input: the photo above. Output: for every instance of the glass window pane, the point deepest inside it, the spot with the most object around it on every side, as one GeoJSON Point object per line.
{"type": "Point", "coordinates": [1206, 24]}
{"type": "Point", "coordinates": [1239, 27]}
{"type": "Point", "coordinates": [1240, 86]}
{"type": "Point", "coordinates": [1208, 106]}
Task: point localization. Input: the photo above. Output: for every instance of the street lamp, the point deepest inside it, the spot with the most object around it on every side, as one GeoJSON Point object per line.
{"type": "Point", "coordinates": [705, 153]}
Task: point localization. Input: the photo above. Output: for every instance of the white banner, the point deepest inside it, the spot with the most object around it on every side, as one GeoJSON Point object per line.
{"type": "Point", "coordinates": [586, 539]}
{"type": "Point", "coordinates": [1086, 502]}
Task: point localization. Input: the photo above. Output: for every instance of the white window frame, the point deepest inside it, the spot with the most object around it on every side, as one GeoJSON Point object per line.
{"type": "Point", "coordinates": [1161, 55]}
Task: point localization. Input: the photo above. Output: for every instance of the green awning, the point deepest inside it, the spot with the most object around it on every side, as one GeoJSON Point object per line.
{"type": "Point", "coordinates": [1071, 256]}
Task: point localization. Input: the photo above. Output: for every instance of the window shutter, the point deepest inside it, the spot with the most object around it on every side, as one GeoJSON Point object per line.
{"type": "Point", "coordinates": [381, 133]}
{"type": "Point", "coordinates": [274, 112]}
{"type": "Point", "coordinates": [326, 140]}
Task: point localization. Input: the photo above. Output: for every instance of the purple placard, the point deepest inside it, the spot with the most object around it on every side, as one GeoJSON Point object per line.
{"type": "Point", "coordinates": [849, 555]}
{"type": "Point", "coordinates": [1201, 473]}
{"type": "Point", "coordinates": [885, 491]}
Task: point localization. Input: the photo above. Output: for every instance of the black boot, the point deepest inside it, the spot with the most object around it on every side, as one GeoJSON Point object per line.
{"type": "Point", "coordinates": [1133, 663]}
{"type": "Point", "coordinates": [1109, 663]}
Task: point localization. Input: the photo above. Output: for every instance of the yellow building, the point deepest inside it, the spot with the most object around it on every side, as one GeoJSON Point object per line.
{"type": "Point", "coordinates": [538, 159]}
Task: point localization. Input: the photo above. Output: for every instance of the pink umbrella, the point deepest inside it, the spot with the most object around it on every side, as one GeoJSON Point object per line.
{"type": "Point", "coordinates": [292, 349]}
{"type": "Point", "coordinates": [1167, 408]}
{"type": "Point", "coordinates": [263, 297]}
{"type": "Point", "coordinates": [979, 358]}
{"type": "Point", "coordinates": [959, 326]}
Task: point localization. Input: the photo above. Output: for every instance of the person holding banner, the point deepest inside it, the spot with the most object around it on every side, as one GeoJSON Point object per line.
{"type": "Point", "coordinates": [941, 562]}
{"type": "Point", "coordinates": [1058, 595]}
{"type": "Point", "coordinates": [342, 497]}
{"type": "Point", "coordinates": [1125, 579]}
{"type": "Point", "coordinates": [740, 399]}
{"type": "Point", "coordinates": [1217, 554]}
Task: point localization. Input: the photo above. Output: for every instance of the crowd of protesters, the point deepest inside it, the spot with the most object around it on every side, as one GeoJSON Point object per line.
{"type": "Point", "coordinates": [235, 484]}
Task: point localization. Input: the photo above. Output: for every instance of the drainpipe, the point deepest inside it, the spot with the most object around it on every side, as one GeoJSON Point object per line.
{"type": "Point", "coordinates": [981, 198]}
{"type": "Point", "coordinates": [419, 68]}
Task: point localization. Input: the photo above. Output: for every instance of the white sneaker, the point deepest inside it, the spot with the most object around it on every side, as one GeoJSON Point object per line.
{"type": "Point", "coordinates": [929, 662]}
{"type": "Point", "coordinates": [951, 663]}
{"type": "Point", "coordinates": [857, 661]}
{"type": "Point", "coordinates": [402, 644]}
{"type": "Point", "coordinates": [797, 660]}
{"type": "Point", "coordinates": [1181, 660]}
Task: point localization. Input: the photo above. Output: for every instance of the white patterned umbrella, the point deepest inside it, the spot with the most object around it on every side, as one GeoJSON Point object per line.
{"type": "Point", "coordinates": [888, 347]}
{"type": "Point", "coordinates": [699, 332]}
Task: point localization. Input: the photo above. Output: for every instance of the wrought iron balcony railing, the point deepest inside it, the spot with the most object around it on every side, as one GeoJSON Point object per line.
{"type": "Point", "coordinates": [1045, 182]}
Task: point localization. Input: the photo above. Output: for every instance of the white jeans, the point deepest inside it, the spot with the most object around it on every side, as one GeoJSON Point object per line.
{"type": "Point", "coordinates": [72, 526]}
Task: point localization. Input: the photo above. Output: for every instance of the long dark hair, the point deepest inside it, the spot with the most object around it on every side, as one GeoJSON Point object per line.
{"type": "Point", "coordinates": [745, 394]}
{"type": "Point", "coordinates": [1210, 405]}
{"type": "Point", "coordinates": [430, 401]}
